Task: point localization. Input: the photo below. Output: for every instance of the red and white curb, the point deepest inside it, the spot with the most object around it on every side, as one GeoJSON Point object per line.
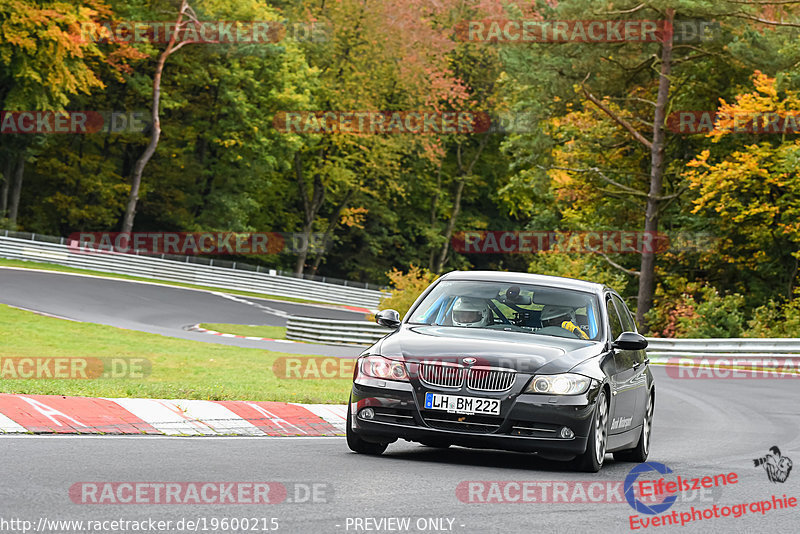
{"type": "Point", "coordinates": [198, 328]}
{"type": "Point", "coordinates": [55, 414]}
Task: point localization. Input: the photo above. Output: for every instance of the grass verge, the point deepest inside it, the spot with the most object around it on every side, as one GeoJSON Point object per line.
{"type": "Point", "coordinates": [271, 332]}
{"type": "Point", "coordinates": [180, 369]}
{"type": "Point", "coordinates": [61, 268]}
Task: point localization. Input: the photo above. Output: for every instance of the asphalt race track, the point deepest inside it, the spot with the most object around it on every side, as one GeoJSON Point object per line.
{"type": "Point", "coordinates": [702, 427]}
{"type": "Point", "coordinates": [160, 309]}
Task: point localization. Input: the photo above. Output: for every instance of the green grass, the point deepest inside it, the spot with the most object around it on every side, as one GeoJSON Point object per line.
{"type": "Point", "coordinates": [272, 332]}
{"type": "Point", "coordinates": [61, 268]}
{"type": "Point", "coordinates": [179, 368]}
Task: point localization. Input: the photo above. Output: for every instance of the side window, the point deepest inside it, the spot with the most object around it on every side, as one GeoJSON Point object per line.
{"type": "Point", "coordinates": [613, 320]}
{"type": "Point", "coordinates": [627, 358]}
{"type": "Point", "coordinates": [627, 321]}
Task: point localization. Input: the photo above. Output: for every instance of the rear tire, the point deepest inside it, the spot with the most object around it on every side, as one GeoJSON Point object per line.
{"type": "Point", "coordinates": [592, 459]}
{"type": "Point", "coordinates": [639, 453]}
{"type": "Point", "coordinates": [359, 445]}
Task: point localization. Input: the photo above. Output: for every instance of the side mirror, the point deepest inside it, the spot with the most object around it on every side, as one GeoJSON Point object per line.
{"type": "Point", "coordinates": [389, 318]}
{"type": "Point", "coordinates": [630, 341]}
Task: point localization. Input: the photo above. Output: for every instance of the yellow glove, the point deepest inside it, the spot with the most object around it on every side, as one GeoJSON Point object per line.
{"type": "Point", "coordinates": [568, 325]}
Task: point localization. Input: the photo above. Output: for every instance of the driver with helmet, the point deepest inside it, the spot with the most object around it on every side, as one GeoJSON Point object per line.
{"type": "Point", "coordinates": [563, 317]}
{"type": "Point", "coordinates": [471, 312]}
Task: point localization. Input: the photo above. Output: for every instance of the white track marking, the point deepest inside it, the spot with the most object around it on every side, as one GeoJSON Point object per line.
{"type": "Point", "coordinates": [188, 417]}
{"type": "Point", "coordinates": [335, 414]}
{"type": "Point", "coordinates": [282, 423]}
{"type": "Point", "coordinates": [240, 300]}
{"type": "Point", "coordinates": [7, 425]}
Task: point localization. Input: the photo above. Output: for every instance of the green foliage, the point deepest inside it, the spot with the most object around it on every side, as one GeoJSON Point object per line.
{"type": "Point", "coordinates": [388, 200]}
{"type": "Point", "coordinates": [717, 316]}
{"type": "Point", "coordinates": [700, 312]}
{"type": "Point", "coordinates": [775, 319]}
{"type": "Point", "coordinates": [406, 287]}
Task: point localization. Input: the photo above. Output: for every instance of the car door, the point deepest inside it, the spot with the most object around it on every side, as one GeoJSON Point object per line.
{"type": "Point", "coordinates": [622, 381]}
{"type": "Point", "coordinates": [639, 359]}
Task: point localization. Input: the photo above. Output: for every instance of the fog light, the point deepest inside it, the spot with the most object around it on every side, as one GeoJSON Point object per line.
{"type": "Point", "coordinates": [367, 413]}
{"type": "Point", "coordinates": [566, 433]}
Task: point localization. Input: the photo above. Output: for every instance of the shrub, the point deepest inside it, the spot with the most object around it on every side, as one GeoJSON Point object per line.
{"type": "Point", "coordinates": [406, 287]}
{"type": "Point", "coordinates": [697, 312]}
{"type": "Point", "coordinates": [717, 316]}
{"type": "Point", "coordinates": [775, 319]}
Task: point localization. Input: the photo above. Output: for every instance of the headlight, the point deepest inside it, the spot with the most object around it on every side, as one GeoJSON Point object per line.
{"type": "Point", "coordinates": [563, 384]}
{"type": "Point", "coordinates": [383, 368]}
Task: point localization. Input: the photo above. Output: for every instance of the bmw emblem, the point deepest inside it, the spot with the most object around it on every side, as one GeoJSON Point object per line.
{"type": "Point", "coordinates": [468, 361]}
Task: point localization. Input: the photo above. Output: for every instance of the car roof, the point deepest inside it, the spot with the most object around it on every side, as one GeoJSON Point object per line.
{"type": "Point", "coordinates": [527, 278]}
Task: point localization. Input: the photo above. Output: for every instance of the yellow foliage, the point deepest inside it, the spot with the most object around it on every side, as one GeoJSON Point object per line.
{"type": "Point", "coordinates": [406, 287]}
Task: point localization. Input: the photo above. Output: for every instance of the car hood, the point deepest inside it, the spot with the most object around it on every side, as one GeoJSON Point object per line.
{"type": "Point", "coordinates": [521, 351]}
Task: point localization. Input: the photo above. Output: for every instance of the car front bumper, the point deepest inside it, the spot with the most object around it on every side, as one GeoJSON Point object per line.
{"type": "Point", "coordinates": [527, 423]}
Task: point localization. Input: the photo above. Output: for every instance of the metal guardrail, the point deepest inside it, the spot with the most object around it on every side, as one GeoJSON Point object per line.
{"type": "Point", "coordinates": [659, 350]}
{"type": "Point", "coordinates": [333, 332]}
{"type": "Point", "coordinates": [241, 277]}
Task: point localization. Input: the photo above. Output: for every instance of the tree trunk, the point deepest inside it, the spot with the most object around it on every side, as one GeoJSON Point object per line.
{"type": "Point", "coordinates": [8, 172]}
{"type": "Point", "coordinates": [19, 171]}
{"type": "Point", "coordinates": [311, 208]}
{"type": "Point", "coordinates": [138, 168]}
{"type": "Point", "coordinates": [434, 205]}
{"type": "Point", "coordinates": [332, 224]}
{"type": "Point", "coordinates": [302, 254]}
{"type": "Point", "coordinates": [647, 277]}
{"type": "Point", "coordinates": [464, 173]}
{"type": "Point", "coordinates": [451, 224]}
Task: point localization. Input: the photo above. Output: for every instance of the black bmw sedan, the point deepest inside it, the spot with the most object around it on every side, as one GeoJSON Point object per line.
{"type": "Point", "coordinates": [512, 361]}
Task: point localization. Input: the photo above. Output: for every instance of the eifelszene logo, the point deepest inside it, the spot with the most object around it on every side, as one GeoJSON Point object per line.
{"type": "Point", "coordinates": [777, 467]}
{"type": "Point", "coordinates": [630, 484]}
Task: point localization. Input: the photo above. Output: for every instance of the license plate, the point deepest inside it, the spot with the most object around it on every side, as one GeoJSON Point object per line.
{"type": "Point", "coordinates": [459, 404]}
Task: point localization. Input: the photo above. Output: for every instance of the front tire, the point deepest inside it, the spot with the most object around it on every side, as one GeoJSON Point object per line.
{"type": "Point", "coordinates": [359, 445]}
{"type": "Point", "coordinates": [639, 453]}
{"type": "Point", "coordinates": [592, 459]}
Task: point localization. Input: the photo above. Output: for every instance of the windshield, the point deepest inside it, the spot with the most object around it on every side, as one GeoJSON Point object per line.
{"type": "Point", "coordinates": [533, 309]}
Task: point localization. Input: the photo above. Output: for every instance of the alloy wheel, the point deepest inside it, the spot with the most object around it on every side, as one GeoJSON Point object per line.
{"type": "Point", "coordinates": [601, 430]}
